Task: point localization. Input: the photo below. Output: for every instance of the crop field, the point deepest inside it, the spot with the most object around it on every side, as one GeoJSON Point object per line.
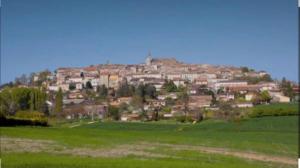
{"type": "Point", "coordinates": [256, 142]}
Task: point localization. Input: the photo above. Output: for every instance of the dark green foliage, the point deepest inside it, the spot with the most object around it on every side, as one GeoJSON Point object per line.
{"type": "Point", "coordinates": [184, 119]}
{"type": "Point", "coordinates": [262, 97]}
{"type": "Point", "coordinates": [102, 91]}
{"type": "Point", "coordinates": [114, 113]}
{"type": "Point", "coordinates": [287, 88]}
{"type": "Point", "coordinates": [214, 98]}
{"type": "Point", "coordinates": [58, 102]}
{"type": "Point", "coordinates": [265, 96]}
{"type": "Point", "coordinates": [169, 86]}
{"type": "Point", "coordinates": [88, 85]}
{"type": "Point", "coordinates": [279, 109]}
{"type": "Point", "coordinates": [266, 78]}
{"type": "Point", "coordinates": [125, 90]}
{"type": "Point", "coordinates": [15, 99]}
{"type": "Point", "coordinates": [145, 90]}
{"type": "Point", "coordinates": [245, 69]}
{"type": "Point", "coordinates": [72, 86]}
{"type": "Point", "coordinates": [150, 91]}
{"type": "Point", "coordinates": [140, 91]}
{"type": "Point", "coordinates": [183, 99]}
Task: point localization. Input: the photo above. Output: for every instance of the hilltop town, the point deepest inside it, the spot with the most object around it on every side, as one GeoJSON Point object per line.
{"type": "Point", "coordinates": [159, 88]}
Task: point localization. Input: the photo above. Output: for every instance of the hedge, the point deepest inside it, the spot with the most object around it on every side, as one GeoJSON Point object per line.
{"type": "Point", "coordinates": [279, 109]}
{"type": "Point", "coordinates": [21, 122]}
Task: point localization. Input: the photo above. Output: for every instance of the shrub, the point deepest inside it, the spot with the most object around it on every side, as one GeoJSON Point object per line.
{"type": "Point", "coordinates": [180, 119]}
{"type": "Point", "coordinates": [184, 119]}
{"type": "Point", "coordinates": [114, 112]}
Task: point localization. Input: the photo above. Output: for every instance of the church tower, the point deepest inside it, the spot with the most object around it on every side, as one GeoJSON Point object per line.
{"type": "Point", "coordinates": [149, 59]}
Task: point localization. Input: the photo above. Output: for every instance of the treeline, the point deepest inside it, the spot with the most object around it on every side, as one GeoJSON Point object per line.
{"type": "Point", "coordinates": [126, 90]}
{"type": "Point", "coordinates": [17, 99]}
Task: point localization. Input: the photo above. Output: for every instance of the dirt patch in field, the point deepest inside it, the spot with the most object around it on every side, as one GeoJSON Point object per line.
{"type": "Point", "coordinates": [142, 149]}
{"type": "Point", "coordinates": [29, 145]}
{"type": "Point", "coordinates": [224, 151]}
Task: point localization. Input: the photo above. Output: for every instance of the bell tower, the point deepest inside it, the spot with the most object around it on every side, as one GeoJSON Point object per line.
{"type": "Point", "coordinates": [148, 59]}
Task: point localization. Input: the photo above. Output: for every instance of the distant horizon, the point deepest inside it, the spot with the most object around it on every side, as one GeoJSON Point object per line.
{"type": "Point", "coordinates": [38, 35]}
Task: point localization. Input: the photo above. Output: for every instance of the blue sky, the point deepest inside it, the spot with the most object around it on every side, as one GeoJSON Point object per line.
{"type": "Point", "coordinates": [40, 34]}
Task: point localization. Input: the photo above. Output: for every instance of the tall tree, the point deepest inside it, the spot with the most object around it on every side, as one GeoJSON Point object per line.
{"type": "Point", "coordinates": [58, 102]}
{"type": "Point", "coordinates": [102, 91]}
{"type": "Point", "coordinates": [88, 85]}
{"type": "Point", "coordinates": [184, 100]}
{"type": "Point", "coordinates": [124, 90]}
{"type": "Point", "coordinates": [140, 91]}
{"type": "Point", "coordinates": [150, 91]}
{"type": "Point", "coordinates": [287, 88]}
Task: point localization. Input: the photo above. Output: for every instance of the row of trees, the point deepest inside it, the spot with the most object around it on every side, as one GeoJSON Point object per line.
{"type": "Point", "coordinates": [126, 90]}
{"type": "Point", "coordinates": [16, 99]}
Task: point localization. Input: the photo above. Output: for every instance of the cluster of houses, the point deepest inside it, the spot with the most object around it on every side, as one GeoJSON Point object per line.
{"type": "Point", "coordinates": [221, 80]}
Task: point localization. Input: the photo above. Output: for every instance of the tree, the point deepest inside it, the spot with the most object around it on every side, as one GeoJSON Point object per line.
{"type": "Point", "coordinates": [31, 78]}
{"type": "Point", "coordinates": [140, 91]}
{"type": "Point", "coordinates": [265, 96]}
{"type": "Point", "coordinates": [102, 91]}
{"type": "Point", "coordinates": [113, 112]}
{"type": "Point", "coordinates": [213, 95]}
{"type": "Point", "coordinates": [184, 99]}
{"type": "Point", "coordinates": [155, 115]}
{"type": "Point", "coordinates": [169, 86]}
{"type": "Point", "coordinates": [287, 88]}
{"type": "Point", "coordinates": [31, 101]}
{"type": "Point", "coordinates": [125, 90]}
{"type": "Point", "coordinates": [72, 86]}
{"type": "Point", "coordinates": [266, 78]}
{"type": "Point", "coordinates": [15, 99]}
{"type": "Point", "coordinates": [181, 88]}
{"type": "Point", "coordinates": [22, 80]}
{"type": "Point", "coordinates": [58, 102]}
{"type": "Point", "coordinates": [88, 85]}
{"type": "Point", "coordinates": [245, 69]}
{"type": "Point", "coordinates": [150, 91]}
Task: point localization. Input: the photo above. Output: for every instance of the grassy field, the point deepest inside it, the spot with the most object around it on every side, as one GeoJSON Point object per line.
{"type": "Point", "coordinates": [112, 144]}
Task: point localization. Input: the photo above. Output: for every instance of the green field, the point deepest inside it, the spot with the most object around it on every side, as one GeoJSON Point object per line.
{"type": "Point", "coordinates": [162, 144]}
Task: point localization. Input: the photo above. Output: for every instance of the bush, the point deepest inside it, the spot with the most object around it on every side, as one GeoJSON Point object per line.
{"type": "Point", "coordinates": [183, 119]}
{"type": "Point", "coordinates": [180, 119]}
{"type": "Point", "coordinates": [114, 112]}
